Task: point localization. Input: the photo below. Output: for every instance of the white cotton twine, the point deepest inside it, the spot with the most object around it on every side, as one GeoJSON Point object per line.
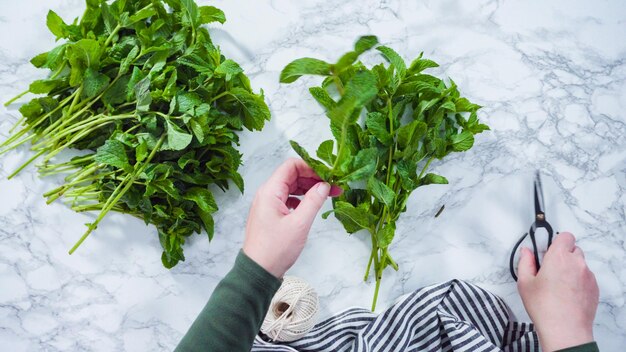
{"type": "Point", "coordinates": [292, 311]}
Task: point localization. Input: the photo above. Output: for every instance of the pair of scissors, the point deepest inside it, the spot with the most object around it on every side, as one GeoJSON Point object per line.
{"type": "Point", "coordinates": [540, 222]}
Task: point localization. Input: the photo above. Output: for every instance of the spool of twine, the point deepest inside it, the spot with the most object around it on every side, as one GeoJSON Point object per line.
{"type": "Point", "coordinates": [292, 311]}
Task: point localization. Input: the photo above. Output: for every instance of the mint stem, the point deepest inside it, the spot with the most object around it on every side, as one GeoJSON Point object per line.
{"type": "Point", "coordinates": [16, 97]}
{"type": "Point", "coordinates": [378, 278]}
{"type": "Point", "coordinates": [25, 164]}
{"type": "Point", "coordinates": [114, 198]}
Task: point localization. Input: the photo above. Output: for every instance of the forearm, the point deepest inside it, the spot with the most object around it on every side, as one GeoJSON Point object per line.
{"type": "Point", "coordinates": [234, 314]}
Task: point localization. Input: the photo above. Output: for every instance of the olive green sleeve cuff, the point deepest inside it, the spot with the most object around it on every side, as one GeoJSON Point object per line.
{"type": "Point", "coordinates": [588, 347]}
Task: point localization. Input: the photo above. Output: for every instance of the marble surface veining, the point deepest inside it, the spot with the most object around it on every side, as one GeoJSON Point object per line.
{"type": "Point", "coordinates": [552, 78]}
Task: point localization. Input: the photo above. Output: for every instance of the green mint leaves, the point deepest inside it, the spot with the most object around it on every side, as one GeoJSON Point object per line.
{"type": "Point", "coordinates": [389, 123]}
{"type": "Point", "coordinates": [304, 66]}
{"type": "Point", "coordinates": [113, 153]}
{"type": "Point", "coordinates": [140, 88]}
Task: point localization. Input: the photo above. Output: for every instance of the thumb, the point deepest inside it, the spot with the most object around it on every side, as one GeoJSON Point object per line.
{"type": "Point", "coordinates": [312, 202]}
{"type": "Point", "coordinates": [526, 268]}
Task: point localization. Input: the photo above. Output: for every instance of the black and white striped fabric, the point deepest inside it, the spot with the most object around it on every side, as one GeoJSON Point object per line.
{"type": "Point", "coordinates": [453, 316]}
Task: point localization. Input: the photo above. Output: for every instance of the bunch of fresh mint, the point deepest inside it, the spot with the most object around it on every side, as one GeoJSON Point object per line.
{"type": "Point", "coordinates": [139, 86]}
{"type": "Point", "coordinates": [389, 123]}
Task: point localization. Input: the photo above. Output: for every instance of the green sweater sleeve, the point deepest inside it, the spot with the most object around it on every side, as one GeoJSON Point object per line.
{"type": "Point", "coordinates": [588, 347]}
{"type": "Point", "coordinates": [234, 314]}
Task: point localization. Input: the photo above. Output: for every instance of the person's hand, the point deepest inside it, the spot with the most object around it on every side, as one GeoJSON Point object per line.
{"type": "Point", "coordinates": [278, 224]}
{"type": "Point", "coordinates": [562, 297]}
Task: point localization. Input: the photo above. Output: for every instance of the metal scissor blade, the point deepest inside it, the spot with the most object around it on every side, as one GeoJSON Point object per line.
{"type": "Point", "coordinates": [539, 205]}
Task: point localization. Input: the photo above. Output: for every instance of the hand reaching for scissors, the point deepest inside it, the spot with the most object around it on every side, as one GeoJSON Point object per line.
{"type": "Point", "coordinates": [279, 223]}
{"type": "Point", "coordinates": [562, 297]}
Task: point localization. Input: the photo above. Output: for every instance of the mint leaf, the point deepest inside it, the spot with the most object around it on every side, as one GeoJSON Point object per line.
{"type": "Point", "coordinates": [56, 25]}
{"type": "Point", "coordinates": [394, 59]}
{"type": "Point", "coordinates": [187, 101]}
{"type": "Point", "coordinates": [210, 14]}
{"type": "Point", "coordinates": [128, 60]}
{"type": "Point", "coordinates": [363, 166]}
{"type": "Point", "coordinates": [377, 125]}
{"type": "Point", "coordinates": [409, 134]}
{"type": "Point", "coordinates": [473, 125]}
{"type": "Point", "coordinates": [448, 105]}
{"type": "Point", "coordinates": [406, 171]}
{"type": "Point", "coordinates": [304, 66]}
{"type": "Point", "coordinates": [353, 219]}
{"type": "Point", "coordinates": [433, 179]}
{"type": "Point", "coordinates": [462, 104]}
{"type": "Point", "coordinates": [113, 153]}
{"type": "Point", "coordinates": [365, 43]}
{"type": "Point", "coordinates": [203, 199]}
{"type": "Point", "coordinates": [361, 87]}
{"type": "Point", "coordinates": [177, 139]}
{"type": "Point", "coordinates": [320, 169]}
{"type": "Point", "coordinates": [255, 111]}
{"type": "Point", "coordinates": [415, 87]}
{"type": "Point", "coordinates": [207, 222]}
{"type": "Point", "coordinates": [381, 191]}
{"type": "Point", "coordinates": [325, 152]}
{"type": "Point", "coordinates": [462, 141]}
{"type": "Point", "coordinates": [321, 95]}
{"type": "Point", "coordinates": [385, 236]}
{"type": "Point", "coordinates": [141, 151]}
{"type": "Point", "coordinates": [44, 86]}
{"type": "Point", "coordinates": [198, 128]}
{"type": "Point", "coordinates": [358, 91]}
{"type": "Point", "coordinates": [142, 14]}
{"type": "Point", "coordinates": [94, 83]}
{"type": "Point", "coordinates": [228, 69]}
{"type": "Point", "coordinates": [418, 65]}
{"type": "Point", "coordinates": [81, 55]}
{"type": "Point", "coordinates": [142, 94]}
{"type": "Point", "coordinates": [190, 13]}
{"type": "Point", "coordinates": [166, 186]}
{"type": "Point", "coordinates": [342, 115]}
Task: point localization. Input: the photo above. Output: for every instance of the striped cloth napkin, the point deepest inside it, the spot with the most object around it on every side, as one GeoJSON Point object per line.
{"type": "Point", "coordinates": [452, 316]}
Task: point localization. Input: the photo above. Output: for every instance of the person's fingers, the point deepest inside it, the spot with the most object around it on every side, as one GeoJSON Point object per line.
{"type": "Point", "coordinates": [335, 191]}
{"type": "Point", "coordinates": [526, 268]}
{"type": "Point", "coordinates": [303, 185]}
{"type": "Point", "coordinates": [578, 252]}
{"type": "Point", "coordinates": [291, 170]}
{"type": "Point", "coordinates": [292, 202]}
{"type": "Point", "coordinates": [283, 179]}
{"type": "Point", "coordinates": [565, 241]}
{"type": "Point", "coordinates": [311, 203]}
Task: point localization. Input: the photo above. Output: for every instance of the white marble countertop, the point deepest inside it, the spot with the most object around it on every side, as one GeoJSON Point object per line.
{"type": "Point", "coordinates": [552, 78]}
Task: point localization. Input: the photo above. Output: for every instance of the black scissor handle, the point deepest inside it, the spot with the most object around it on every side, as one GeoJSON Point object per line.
{"type": "Point", "coordinates": [539, 223]}
{"type": "Point", "coordinates": [512, 260]}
